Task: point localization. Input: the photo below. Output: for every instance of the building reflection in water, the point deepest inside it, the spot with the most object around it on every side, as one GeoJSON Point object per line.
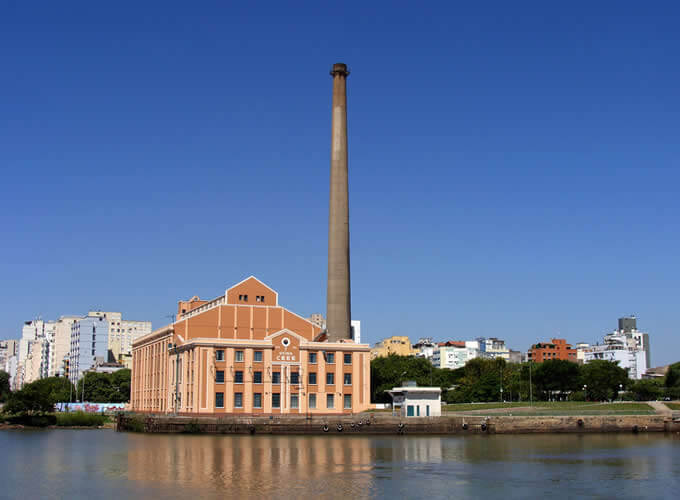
{"type": "Point", "coordinates": [253, 464]}
{"type": "Point", "coordinates": [344, 466]}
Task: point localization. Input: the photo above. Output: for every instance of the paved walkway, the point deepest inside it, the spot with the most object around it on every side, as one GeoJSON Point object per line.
{"type": "Point", "coordinates": [660, 408]}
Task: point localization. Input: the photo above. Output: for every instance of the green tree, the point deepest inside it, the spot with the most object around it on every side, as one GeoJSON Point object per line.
{"type": "Point", "coordinates": [121, 382]}
{"type": "Point", "coordinates": [4, 386]}
{"type": "Point", "coordinates": [59, 389]}
{"type": "Point", "coordinates": [391, 371]}
{"type": "Point", "coordinates": [646, 390]}
{"type": "Point", "coordinates": [673, 376]}
{"type": "Point", "coordinates": [556, 375]}
{"type": "Point", "coordinates": [39, 396]}
{"type": "Point", "coordinates": [603, 379]}
{"type": "Point", "coordinates": [481, 381]}
{"type": "Point", "coordinates": [105, 387]}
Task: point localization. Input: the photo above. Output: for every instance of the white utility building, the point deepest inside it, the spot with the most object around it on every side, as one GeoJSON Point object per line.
{"type": "Point", "coordinates": [413, 401]}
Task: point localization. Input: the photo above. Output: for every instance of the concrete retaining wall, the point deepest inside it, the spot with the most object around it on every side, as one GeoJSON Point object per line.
{"type": "Point", "coordinates": [383, 424]}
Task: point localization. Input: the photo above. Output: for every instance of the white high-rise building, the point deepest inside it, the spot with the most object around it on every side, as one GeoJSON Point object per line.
{"type": "Point", "coordinates": [8, 348]}
{"type": "Point", "coordinates": [355, 327]}
{"type": "Point", "coordinates": [425, 347]}
{"type": "Point", "coordinates": [455, 354]}
{"type": "Point", "coordinates": [627, 345]}
{"type": "Point", "coordinates": [37, 338]}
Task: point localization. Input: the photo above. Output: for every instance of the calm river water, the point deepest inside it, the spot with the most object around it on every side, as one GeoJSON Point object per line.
{"type": "Point", "coordinates": [104, 464]}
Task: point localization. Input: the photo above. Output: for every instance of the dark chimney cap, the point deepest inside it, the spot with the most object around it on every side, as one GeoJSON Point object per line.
{"type": "Point", "coordinates": [340, 69]}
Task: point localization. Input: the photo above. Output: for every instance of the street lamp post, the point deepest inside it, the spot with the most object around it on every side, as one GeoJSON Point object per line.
{"type": "Point", "coordinates": [620, 392]}
{"type": "Point", "coordinates": [585, 392]}
{"type": "Point", "coordinates": [173, 348]}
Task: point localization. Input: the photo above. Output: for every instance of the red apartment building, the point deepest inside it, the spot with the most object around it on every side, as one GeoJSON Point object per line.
{"type": "Point", "coordinates": [556, 349]}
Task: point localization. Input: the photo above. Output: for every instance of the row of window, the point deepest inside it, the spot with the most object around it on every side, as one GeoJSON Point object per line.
{"type": "Point", "coordinates": [244, 298]}
{"type": "Point", "coordinates": [276, 400]}
{"type": "Point", "coordinates": [257, 357]}
{"type": "Point", "coordinates": [276, 378]}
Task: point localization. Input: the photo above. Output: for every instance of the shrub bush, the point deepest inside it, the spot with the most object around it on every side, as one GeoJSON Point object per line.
{"type": "Point", "coordinates": [80, 419]}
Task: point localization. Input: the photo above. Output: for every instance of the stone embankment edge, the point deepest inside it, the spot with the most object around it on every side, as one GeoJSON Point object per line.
{"type": "Point", "coordinates": [371, 424]}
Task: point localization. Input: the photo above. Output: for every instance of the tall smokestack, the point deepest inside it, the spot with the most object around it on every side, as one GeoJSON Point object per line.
{"type": "Point", "coordinates": [338, 305]}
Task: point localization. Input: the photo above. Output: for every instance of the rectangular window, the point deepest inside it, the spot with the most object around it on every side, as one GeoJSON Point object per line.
{"type": "Point", "coordinates": [330, 401]}
{"type": "Point", "coordinates": [330, 357]}
{"type": "Point", "coordinates": [330, 378]}
{"type": "Point", "coordinates": [348, 379]}
{"type": "Point", "coordinates": [257, 400]}
{"type": "Point", "coordinates": [238, 377]}
{"type": "Point", "coordinates": [409, 411]}
{"type": "Point", "coordinates": [257, 356]}
{"type": "Point", "coordinates": [257, 377]}
{"type": "Point", "coordinates": [276, 400]}
{"type": "Point", "coordinates": [348, 358]}
{"type": "Point", "coordinates": [312, 378]}
{"type": "Point", "coordinates": [219, 355]}
{"type": "Point", "coordinates": [348, 401]}
{"type": "Point", "coordinates": [312, 357]}
{"type": "Point", "coordinates": [294, 378]}
{"type": "Point", "coordinates": [293, 401]}
{"type": "Point", "coordinates": [238, 400]}
{"type": "Point", "coordinates": [219, 400]}
{"type": "Point", "coordinates": [238, 356]}
{"type": "Point", "coordinates": [219, 376]}
{"type": "Point", "coordinates": [418, 411]}
{"type": "Point", "coordinates": [312, 401]}
{"type": "Point", "coordinates": [243, 298]}
{"type": "Point", "coordinates": [276, 378]}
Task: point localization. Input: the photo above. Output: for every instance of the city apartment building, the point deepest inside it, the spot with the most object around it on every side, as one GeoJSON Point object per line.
{"type": "Point", "coordinates": [61, 344]}
{"type": "Point", "coordinates": [8, 348]}
{"type": "Point", "coordinates": [627, 345]}
{"type": "Point", "coordinates": [398, 344]}
{"type": "Point", "coordinates": [493, 348]}
{"type": "Point", "coordinates": [425, 347]}
{"type": "Point", "coordinates": [455, 354]}
{"type": "Point", "coordinates": [243, 353]}
{"type": "Point", "coordinates": [89, 345]}
{"type": "Point", "coordinates": [452, 354]}
{"type": "Point", "coordinates": [556, 349]}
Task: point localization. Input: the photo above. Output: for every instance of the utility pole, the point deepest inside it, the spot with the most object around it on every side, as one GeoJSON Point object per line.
{"type": "Point", "coordinates": [531, 393]}
{"type": "Point", "coordinates": [173, 348]}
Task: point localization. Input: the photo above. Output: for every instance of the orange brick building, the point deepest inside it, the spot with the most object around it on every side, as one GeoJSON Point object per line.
{"type": "Point", "coordinates": [242, 353]}
{"type": "Point", "coordinates": [557, 349]}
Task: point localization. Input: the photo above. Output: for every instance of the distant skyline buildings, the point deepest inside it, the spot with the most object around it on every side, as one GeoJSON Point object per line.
{"type": "Point", "coordinates": [627, 346]}
{"type": "Point", "coordinates": [69, 346]}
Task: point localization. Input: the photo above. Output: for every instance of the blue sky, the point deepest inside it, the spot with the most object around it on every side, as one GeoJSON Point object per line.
{"type": "Point", "coordinates": [513, 166]}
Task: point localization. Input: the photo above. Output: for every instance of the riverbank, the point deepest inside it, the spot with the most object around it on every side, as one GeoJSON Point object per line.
{"type": "Point", "coordinates": [378, 424]}
{"type": "Point", "coordinates": [19, 427]}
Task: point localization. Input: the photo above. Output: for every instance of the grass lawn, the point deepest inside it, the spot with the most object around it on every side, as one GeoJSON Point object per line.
{"type": "Point", "coordinates": [673, 406]}
{"type": "Point", "coordinates": [557, 408]}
